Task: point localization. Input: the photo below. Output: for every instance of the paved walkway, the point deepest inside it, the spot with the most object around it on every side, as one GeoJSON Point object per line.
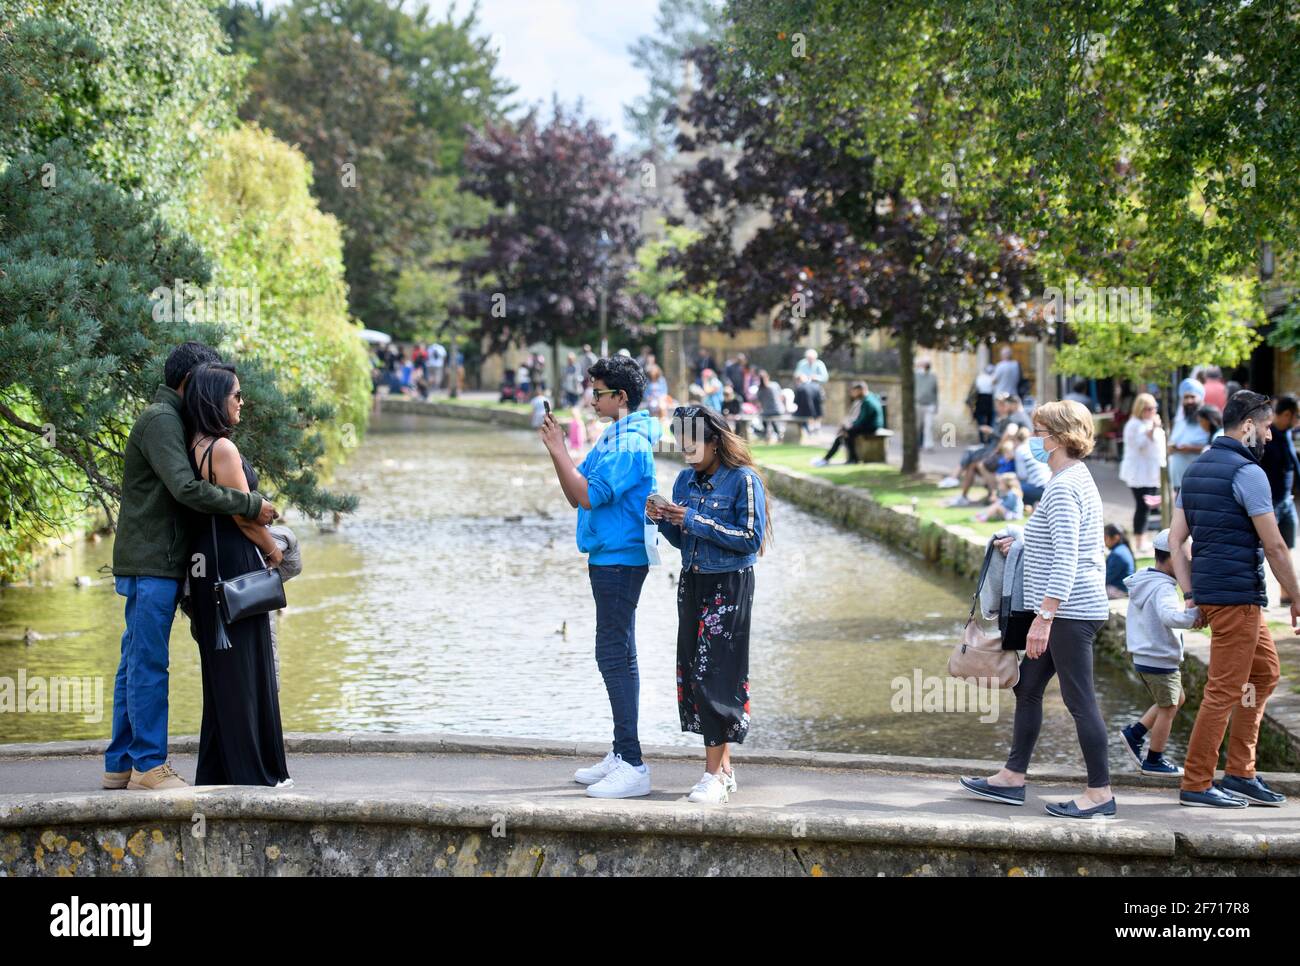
{"type": "Point", "coordinates": [799, 784]}
{"type": "Point", "coordinates": [500, 779]}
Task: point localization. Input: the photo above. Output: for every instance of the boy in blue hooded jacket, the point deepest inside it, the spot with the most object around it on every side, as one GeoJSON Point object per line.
{"type": "Point", "coordinates": [609, 489]}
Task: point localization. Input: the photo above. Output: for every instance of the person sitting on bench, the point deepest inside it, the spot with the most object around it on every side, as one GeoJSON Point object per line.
{"type": "Point", "coordinates": [865, 416]}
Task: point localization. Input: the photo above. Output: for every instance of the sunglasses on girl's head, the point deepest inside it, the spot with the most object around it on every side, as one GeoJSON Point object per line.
{"type": "Point", "coordinates": [687, 412]}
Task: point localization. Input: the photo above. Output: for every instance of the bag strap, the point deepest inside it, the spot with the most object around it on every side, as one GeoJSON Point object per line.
{"type": "Point", "coordinates": [212, 478]}
{"type": "Point", "coordinates": [979, 582]}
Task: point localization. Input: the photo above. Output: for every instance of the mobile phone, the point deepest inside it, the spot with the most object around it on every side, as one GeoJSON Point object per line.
{"type": "Point", "coordinates": [547, 404]}
{"type": "Point", "coordinates": [659, 501]}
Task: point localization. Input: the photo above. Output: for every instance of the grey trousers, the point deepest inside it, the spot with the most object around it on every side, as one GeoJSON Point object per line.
{"type": "Point", "coordinates": [1069, 654]}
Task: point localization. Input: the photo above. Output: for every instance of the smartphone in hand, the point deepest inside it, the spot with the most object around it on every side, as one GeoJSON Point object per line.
{"type": "Point", "coordinates": [547, 403]}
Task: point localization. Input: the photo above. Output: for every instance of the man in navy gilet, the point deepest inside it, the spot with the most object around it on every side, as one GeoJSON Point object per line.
{"type": "Point", "coordinates": [1226, 507]}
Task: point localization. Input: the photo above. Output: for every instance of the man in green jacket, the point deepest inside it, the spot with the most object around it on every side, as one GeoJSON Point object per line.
{"type": "Point", "coordinates": [865, 416]}
{"type": "Point", "coordinates": [149, 564]}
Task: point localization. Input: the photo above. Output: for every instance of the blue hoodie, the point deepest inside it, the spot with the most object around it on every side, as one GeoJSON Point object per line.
{"type": "Point", "coordinates": [620, 472]}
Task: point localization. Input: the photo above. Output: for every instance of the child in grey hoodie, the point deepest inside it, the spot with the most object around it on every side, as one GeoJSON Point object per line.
{"type": "Point", "coordinates": [1155, 608]}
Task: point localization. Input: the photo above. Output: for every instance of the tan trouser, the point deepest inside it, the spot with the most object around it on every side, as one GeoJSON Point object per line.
{"type": "Point", "coordinates": [1244, 670]}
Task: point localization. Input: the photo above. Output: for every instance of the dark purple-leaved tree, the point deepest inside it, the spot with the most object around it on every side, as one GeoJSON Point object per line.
{"type": "Point", "coordinates": [566, 218]}
{"type": "Point", "coordinates": [838, 246]}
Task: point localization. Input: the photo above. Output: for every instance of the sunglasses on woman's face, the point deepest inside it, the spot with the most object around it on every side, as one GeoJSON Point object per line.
{"type": "Point", "coordinates": [239, 395]}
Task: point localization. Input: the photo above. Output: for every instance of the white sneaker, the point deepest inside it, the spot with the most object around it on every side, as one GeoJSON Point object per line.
{"type": "Point", "coordinates": [818, 461]}
{"type": "Point", "coordinates": [589, 776]}
{"type": "Point", "coordinates": [623, 781]}
{"type": "Point", "coordinates": [709, 790]}
{"type": "Point", "coordinates": [286, 783]}
{"type": "Point", "coordinates": [729, 780]}
{"type": "Point", "coordinates": [948, 482]}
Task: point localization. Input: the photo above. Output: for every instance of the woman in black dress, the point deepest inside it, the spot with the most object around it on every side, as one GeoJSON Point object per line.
{"type": "Point", "coordinates": [241, 741]}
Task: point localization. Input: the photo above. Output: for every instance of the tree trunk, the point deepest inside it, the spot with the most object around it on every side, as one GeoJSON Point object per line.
{"type": "Point", "coordinates": [907, 387]}
{"type": "Point", "coordinates": [556, 395]}
{"type": "Point", "coordinates": [453, 377]}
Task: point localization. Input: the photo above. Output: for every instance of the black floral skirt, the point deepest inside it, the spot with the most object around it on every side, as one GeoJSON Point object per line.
{"type": "Point", "coordinates": [713, 654]}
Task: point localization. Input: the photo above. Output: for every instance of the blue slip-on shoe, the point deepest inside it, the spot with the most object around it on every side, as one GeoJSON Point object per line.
{"type": "Point", "coordinates": [1253, 790]}
{"type": "Point", "coordinates": [1068, 809]}
{"type": "Point", "coordinates": [1006, 794]}
{"type": "Point", "coordinates": [1160, 766]}
{"type": "Point", "coordinates": [1212, 797]}
{"type": "Point", "coordinates": [1134, 745]}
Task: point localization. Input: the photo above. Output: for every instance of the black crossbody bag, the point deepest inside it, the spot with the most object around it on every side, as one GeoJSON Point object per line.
{"type": "Point", "coordinates": [250, 594]}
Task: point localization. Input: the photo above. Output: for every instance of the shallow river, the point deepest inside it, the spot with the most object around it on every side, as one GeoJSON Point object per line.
{"type": "Point", "coordinates": [455, 600]}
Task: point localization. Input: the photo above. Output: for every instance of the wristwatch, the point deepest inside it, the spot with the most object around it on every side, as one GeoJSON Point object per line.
{"type": "Point", "coordinates": [1045, 614]}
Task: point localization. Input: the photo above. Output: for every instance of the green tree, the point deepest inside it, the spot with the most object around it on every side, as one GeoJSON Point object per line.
{"type": "Point", "coordinates": [349, 111]}
{"type": "Point", "coordinates": [662, 284]}
{"type": "Point", "coordinates": [680, 27]}
{"type": "Point", "coordinates": [137, 87]}
{"type": "Point", "coordinates": [135, 92]}
{"type": "Point", "coordinates": [1149, 349]}
{"type": "Point", "coordinates": [82, 346]}
{"type": "Point", "coordinates": [449, 65]}
{"type": "Point", "coordinates": [558, 188]}
{"type": "Point", "coordinates": [250, 26]}
{"type": "Point", "coordinates": [267, 239]}
{"type": "Point", "coordinates": [837, 245]}
{"type": "Point", "coordinates": [1167, 134]}
{"type": "Point", "coordinates": [427, 265]}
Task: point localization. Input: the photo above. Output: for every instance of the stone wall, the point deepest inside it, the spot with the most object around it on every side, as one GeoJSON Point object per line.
{"type": "Point", "coordinates": [247, 834]}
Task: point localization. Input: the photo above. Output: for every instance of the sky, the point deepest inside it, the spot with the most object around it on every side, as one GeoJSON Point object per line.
{"type": "Point", "coordinates": [573, 48]}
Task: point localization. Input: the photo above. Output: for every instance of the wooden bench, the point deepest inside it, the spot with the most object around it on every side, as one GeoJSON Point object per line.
{"type": "Point", "coordinates": [871, 449]}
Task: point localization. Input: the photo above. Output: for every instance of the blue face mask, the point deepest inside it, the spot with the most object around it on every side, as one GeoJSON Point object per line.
{"type": "Point", "coordinates": [1036, 449]}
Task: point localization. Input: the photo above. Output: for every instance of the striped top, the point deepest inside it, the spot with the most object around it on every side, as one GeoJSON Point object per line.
{"type": "Point", "coordinates": [1065, 555]}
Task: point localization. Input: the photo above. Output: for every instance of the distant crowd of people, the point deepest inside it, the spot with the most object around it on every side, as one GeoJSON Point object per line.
{"type": "Point", "coordinates": [423, 370]}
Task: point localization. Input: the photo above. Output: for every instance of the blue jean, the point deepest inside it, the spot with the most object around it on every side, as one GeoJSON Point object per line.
{"type": "Point", "coordinates": [1286, 520]}
{"type": "Point", "coordinates": [140, 693]}
{"type": "Point", "coordinates": [616, 590]}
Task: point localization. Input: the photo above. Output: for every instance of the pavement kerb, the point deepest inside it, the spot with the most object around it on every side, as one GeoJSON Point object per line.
{"type": "Point", "coordinates": [343, 743]}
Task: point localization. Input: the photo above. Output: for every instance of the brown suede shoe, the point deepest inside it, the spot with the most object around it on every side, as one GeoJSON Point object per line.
{"type": "Point", "coordinates": [164, 776]}
{"type": "Point", "coordinates": [115, 779]}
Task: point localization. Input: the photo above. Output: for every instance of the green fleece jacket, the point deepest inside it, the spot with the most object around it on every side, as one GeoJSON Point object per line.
{"type": "Point", "coordinates": [157, 480]}
{"type": "Point", "coordinates": [871, 414]}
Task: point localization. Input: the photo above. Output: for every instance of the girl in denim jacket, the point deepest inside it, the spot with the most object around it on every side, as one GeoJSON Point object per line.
{"type": "Point", "coordinates": [719, 520]}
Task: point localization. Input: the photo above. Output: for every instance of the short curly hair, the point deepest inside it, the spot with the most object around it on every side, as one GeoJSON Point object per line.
{"type": "Point", "coordinates": [621, 372]}
{"type": "Point", "coordinates": [1071, 423]}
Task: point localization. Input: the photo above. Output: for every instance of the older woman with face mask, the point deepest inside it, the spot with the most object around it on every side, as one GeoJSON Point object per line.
{"type": "Point", "coordinates": [1064, 587]}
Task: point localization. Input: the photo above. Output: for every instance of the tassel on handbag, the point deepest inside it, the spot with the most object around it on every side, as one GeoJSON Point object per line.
{"type": "Point", "coordinates": [223, 639]}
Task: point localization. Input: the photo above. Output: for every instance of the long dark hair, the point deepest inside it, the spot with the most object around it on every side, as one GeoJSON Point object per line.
{"type": "Point", "coordinates": [732, 451]}
{"type": "Point", "coordinates": [206, 393]}
{"type": "Point", "coordinates": [1115, 530]}
{"type": "Point", "coordinates": [1212, 415]}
